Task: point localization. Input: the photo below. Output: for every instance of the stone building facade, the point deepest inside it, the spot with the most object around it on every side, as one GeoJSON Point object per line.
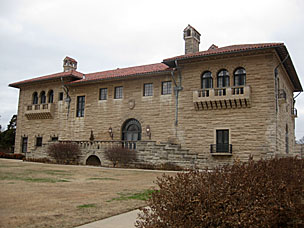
{"type": "Point", "coordinates": [212, 106]}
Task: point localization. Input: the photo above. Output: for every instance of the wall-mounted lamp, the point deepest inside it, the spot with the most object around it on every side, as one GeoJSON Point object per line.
{"type": "Point", "coordinates": [111, 132]}
{"type": "Point", "coordinates": [148, 131]}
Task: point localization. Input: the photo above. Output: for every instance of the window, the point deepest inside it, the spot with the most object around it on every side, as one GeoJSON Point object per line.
{"type": "Point", "coordinates": [35, 98]}
{"type": "Point", "coordinates": [166, 88]}
{"type": "Point", "coordinates": [42, 97]}
{"type": "Point", "coordinates": [54, 139]}
{"type": "Point", "coordinates": [24, 145]}
{"type": "Point", "coordinates": [51, 96]}
{"type": "Point", "coordinates": [80, 106]}
{"type": "Point", "coordinates": [239, 77]}
{"type": "Point", "coordinates": [207, 80]}
{"type": "Point", "coordinates": [223, 79]}
{"type": "Point", "coordinates": [148, 89]}
{"type": "Point", "coordinates": [222, 140]}
{"type": "Point", "coordinates": [60, 96]}
{"type": "Point", "coordinates": [38, 141]}
{"type": "Point", "coordinates": [118, 92]}
{"type": "Point", "coordinates": [103, 93]}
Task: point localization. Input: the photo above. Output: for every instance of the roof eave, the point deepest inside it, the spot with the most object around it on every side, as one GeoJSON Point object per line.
{"type": "Point", "coordinates": [76, 83]}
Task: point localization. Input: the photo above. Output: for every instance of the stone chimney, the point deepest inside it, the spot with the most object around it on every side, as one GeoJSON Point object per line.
{"type": "Point", "coordinates": [69, 64]}
{"type": "Point", "coordinates": [192, 40]}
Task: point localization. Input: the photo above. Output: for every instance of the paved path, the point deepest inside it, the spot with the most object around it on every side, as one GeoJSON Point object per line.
{"type": "Point", "coordinates": [125, 220]}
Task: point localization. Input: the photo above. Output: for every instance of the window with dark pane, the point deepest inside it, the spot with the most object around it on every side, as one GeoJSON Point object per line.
{"type": "Point", "coordinates": [24, 144]}
{"type": "Point", "coordinates": [223, 79]}
{"type": "Point", "coordinates": [42, 97]}
{"type": "Point", "coordinates": [80, 106]}
{"type": "Point", "coordinates": [38, 141]}
{"type": "Point", "coordinates": [51, 96]}
{"type": "Point", "coordinates": [61, 96]}
{"type": "Point", "coordinates": [207, 80]}
{"type": "Point", "coordinates": [35, 98]}
{"type": "Point", "coordinates": [222, 140]}
{"type": "Point", "coordinates": [148, 89]}
{"type": "Point", "coordinates": [239, 77]}
{"type": "Point", "coordinates": [118, 92]}
{"type": "Point", "coordinates": [103, 94]}
{"type": "Point", "coordinates": [166, 87]}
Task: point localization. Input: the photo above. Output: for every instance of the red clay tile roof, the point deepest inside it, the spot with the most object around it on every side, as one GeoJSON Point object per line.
{"type": "Point", "coordinates": [124, 72]}
{"type": "Point", "coordinates": [227, 49]}
{"type": "Point", "coordinates": [69, 58]}
{"type": "Point", "coordinates": [73, 74]}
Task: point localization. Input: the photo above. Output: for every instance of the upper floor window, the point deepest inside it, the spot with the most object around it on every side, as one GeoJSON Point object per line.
{"type": "Point", "coordinates": [239, 77]}
{"type": "Point", "coordinates": [207, 80]}
{"type": "Point", "coordinates": [103, 93]}
{"type": "Point", "coordinates": [42, 97]}
{"type": "Point", "coordinates": [51, 96]}
{"type": "Point", "coordinates": [35, 98]}
{"type": "Point", "coordinates": [60, 96]}
{"type": "Point", "coordinates": [223, 79]}
{"type": "Point", "coordinates": [166, 88]}
{"type": "Point", "coordinates": [148, 89]}
{"type": "Point", "coordinates": [118, 92]}
{"type": "Point", "coordinates": [80, 106]}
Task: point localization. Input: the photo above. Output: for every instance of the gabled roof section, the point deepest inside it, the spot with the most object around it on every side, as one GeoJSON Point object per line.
{"type": "Point", "coordinates": [71, 74]}
{"type": "Point", "coordinates": [124, 72]}
{"type": "Point", "coordinates": [279, 47]}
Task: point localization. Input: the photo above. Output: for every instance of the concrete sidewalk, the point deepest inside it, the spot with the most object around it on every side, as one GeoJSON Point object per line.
{"type": "Point", "coordinates": [126, 220]}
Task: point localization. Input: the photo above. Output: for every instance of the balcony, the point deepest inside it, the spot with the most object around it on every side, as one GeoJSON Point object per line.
{"type": "Point", "coordinates": [39, 111]}
{"type": "Point", "coordinates": [222, 98]}
{"type": "Point", "coordinates": [282, 96]}
{"type": "Point", "coordinates": [221, 149]}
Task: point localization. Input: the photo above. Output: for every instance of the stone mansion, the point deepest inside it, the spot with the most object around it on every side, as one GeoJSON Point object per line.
{"type": "Point", "coordinates": [198, 109]}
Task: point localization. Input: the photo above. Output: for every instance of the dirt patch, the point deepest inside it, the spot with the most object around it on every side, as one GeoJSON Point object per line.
{"type": "Point", "coordinates": [44, 195]}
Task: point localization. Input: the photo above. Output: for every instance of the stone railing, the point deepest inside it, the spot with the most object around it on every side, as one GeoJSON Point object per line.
{"type": "Point", "coordinates": [39, 111]}
{"type": "Point", "coordinates": [220, 98]}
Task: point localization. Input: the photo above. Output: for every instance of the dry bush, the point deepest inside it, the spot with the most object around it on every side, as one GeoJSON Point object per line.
{"type": "Point", "coordinates": [39, 160]}
{"type": "Point", "coordinates": [254, 194]}
{"type": "Point", "coordinates": [11, 156]}
{"type": "Point", "coordinates": [119, 155]}
{"type": "Point", "coordinates": [170, 166]}
{"type": "Point", "coordinates": [64, 153]}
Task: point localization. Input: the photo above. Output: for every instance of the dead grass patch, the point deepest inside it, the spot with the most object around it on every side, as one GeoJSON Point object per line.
{"type": "Point", "coordinates": [49, 195]}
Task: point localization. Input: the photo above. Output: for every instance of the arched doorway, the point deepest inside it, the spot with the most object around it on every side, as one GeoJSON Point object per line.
{"type": "Point", "coordinates": [93, 160]}
{"type": "Point", "coordinates": [131, 130]}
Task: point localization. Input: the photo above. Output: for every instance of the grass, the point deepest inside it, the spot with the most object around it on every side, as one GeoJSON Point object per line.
{"type": "Point", "coordinates": [31, 179]}
{"type": "Point", "coordinates": [101, 178]}
{"type": "Point", "coordinates": [145, 195]}
{"type": "Point", "coordinates": [87, 205]}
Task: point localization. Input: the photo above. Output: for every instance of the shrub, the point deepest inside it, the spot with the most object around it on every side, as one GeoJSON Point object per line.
{"type": "Point", "coordinates": [11, 156]}
{"type": "Point", "coordinates": [120, 155]}
{"type": "Point", "coordinates": [170, 166]}
{"type": "Point", "coordinates": [40, 160]}
{"type": "Point", "coordinates": [64, 153]}
{"type": "Point", "coordinates": [254, 194]}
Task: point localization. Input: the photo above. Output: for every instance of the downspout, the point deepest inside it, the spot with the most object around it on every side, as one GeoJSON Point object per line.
{"type": "Point", "coordinates": [178, 87]}
{"type": "Point", "coordinates": [68, 99]}
{"type": "Point", "coordinates": [277, 96]}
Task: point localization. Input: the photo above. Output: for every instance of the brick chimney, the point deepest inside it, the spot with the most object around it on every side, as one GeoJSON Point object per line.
{"type": "Point", "coordinates": [69, 64]}
{"type": "Point", "coordinates": [192, 40]}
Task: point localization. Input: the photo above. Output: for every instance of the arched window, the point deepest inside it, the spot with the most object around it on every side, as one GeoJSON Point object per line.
{"type": "Point", "coordinates": [51, 96]}
{"type": "Point", "coordinates": [42, 97]}
{"type": "Point", "coordinates": [223, 79]}
{"type": "Point", "coordinates": [35, 98]}
{"type": "Point", "coordinates": [188, 32]}
{"type": "Point", "coordinates": [239, 77]}
{"type": "Point", "coordinates": [206, 80]}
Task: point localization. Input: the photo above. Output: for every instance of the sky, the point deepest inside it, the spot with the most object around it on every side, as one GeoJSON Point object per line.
{"type": "Point", "coordinates": [36, 35]}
